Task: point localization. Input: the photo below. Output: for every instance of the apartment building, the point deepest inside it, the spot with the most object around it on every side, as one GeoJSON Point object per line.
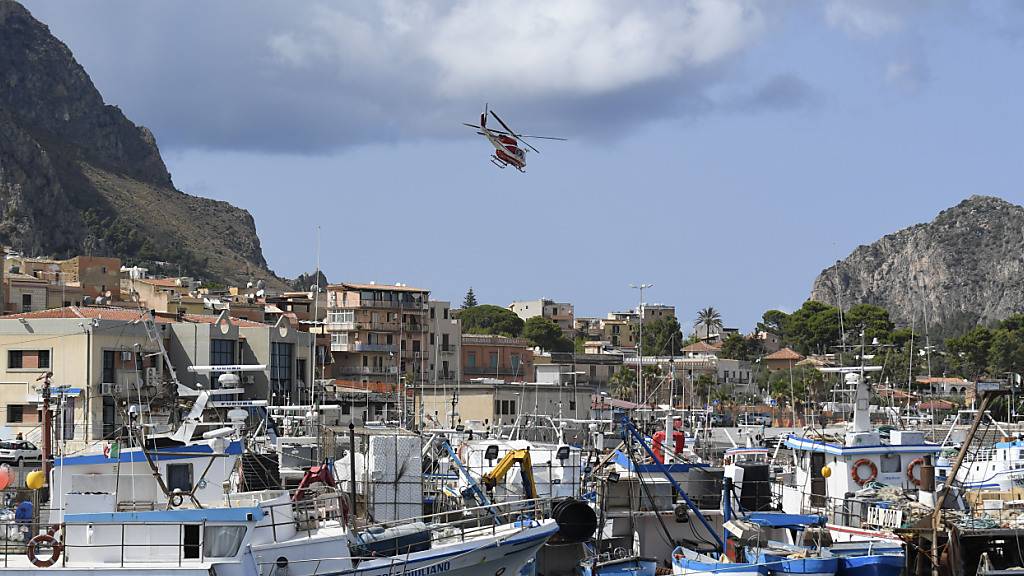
{"type": "Point", "coordinates": [560, 313]}
{"type": "Point", "coordinates": [482, 403]}
{"type": "Point", "coordinates": [93, 276]}
{"type": "Point", "coordinates": [97, 275]}
{"type": "Point", "coordinates": [379, 333]}
{"type": "Point", "coordinates": [445, 344]}
{"type": "Point", "coordinates": [168, 295]}
{"type": "Point", "coordinates": [500, 357]}
{"type": "Point", "coordinates": [106, 357]}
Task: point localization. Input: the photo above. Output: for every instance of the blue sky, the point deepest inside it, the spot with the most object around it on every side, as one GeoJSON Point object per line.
{"type": "Point", "coordinates": [725, 151]}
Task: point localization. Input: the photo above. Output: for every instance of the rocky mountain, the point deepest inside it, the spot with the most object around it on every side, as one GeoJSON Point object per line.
{"type": "Point", "coordinates": [77, 177]}
{"type": "Point", "coordinates": [963, 268]}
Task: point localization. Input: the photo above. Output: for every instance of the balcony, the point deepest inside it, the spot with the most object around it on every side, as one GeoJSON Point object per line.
{"type": "Point", "coordinates": [360, 347]}
{"type": "Point", "coordinates": [447, 348]}
{"type": "Point", "coordinates": [342, 326]}
{"type": "Point", "coordinates": [386, 304]}
{"type": "Point", "coordinates": [366, 371]}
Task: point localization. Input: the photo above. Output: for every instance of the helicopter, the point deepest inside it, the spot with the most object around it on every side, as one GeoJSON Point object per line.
{"type": "Point", "coordinates": [508, 149]}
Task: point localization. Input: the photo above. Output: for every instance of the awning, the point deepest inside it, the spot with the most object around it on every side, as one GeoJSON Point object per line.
{"type": "Point", "coordinates": [779, 520]}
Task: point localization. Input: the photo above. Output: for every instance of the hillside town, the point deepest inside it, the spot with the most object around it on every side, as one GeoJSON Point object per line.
{"type": "Point", "coordinates": [390, 353]}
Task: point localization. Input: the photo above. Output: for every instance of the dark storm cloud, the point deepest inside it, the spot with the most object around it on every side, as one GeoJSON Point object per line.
{"type": "Point", "coordinates": [311, 77]}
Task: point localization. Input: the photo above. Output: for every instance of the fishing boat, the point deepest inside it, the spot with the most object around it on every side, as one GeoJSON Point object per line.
{"type": "Point", "coordinates": [686, 562]}
{"type": "Point", "coordinates": [270, 533]}
{"type": "Point", "coordinates": [828, 472]}
{"type": "Point", "coordinates": [999, 467]}
{"type": "Point", "coordinates": [874, 558]}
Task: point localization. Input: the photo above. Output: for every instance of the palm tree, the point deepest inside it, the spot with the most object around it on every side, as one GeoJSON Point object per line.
{"type": "Point", "coordinates": [710, 319]}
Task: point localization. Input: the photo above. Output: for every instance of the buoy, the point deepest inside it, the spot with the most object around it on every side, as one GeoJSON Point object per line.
{"type": "Point", "coordinates": [35, 479]}
{"type": "Point", "coordinates": [826, 471]}
{"type": "Point", "coordinates": [5, 476]}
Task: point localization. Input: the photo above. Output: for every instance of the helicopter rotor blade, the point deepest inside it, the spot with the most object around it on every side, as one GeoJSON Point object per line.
{"type": "Point", "coordinates": [502, 122]}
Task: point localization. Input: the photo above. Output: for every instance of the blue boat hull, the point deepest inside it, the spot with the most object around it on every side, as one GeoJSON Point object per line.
{"type": "Point", "coordinates": [778, 564]}
{"type": "Point", "coordinates": [874, 565]}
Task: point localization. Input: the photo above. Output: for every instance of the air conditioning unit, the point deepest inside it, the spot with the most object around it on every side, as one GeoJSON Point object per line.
{"type": "Point", "coordinates": [108, 389]}
{"type": "Point", "coordinates": [152, 376]}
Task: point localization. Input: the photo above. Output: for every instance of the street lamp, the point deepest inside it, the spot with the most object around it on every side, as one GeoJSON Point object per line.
{"type": "Point", "coordinates": [640, 344]}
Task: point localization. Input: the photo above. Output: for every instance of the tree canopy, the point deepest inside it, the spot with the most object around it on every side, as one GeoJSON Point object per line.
{"type": "Point", "coordinates": [709, 319]}
{"type": "Point", "coordinates": [490, 319]}
{"type": "Point", "coordinates": [546, 334]}
{"type": "Point", "coordinates": [470, 300]}
{"type": "Point", "coordinates": [739, 347]}
{"type": "Point", "coordinates": [662, 337]}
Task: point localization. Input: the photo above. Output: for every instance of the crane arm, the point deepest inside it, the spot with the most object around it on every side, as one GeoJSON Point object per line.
{"type": "Point", "coordinates": [513, 457]}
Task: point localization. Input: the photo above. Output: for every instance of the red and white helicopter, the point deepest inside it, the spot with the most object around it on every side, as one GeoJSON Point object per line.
{"type": "Point", "coordinates": [507, 149]}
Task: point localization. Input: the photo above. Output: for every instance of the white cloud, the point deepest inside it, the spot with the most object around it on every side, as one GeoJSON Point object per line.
{"type": "Point", "coordinates": [864, 17]}
{"type": "Point", "coordinates": [534, 47]}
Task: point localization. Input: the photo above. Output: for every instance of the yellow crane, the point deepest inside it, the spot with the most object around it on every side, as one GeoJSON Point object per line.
{"type": "Point", "coordinates": [513, 457]}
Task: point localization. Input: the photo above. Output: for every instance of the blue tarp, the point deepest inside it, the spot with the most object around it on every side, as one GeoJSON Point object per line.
{"type": "Point", "coordinates": [780, 520]}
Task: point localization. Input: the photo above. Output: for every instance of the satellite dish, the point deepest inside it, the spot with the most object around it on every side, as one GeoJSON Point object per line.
{"type": "Point", "coordinates": [229, 380]}
{"type": "Point", "coordinates": [248, 284]}
{"type": "Point", "coordinates": [108, 294]}
{"type": "Point", "coordinates": [86, 300]}
{"type": "Point", "coordinates": [260, 284]}
{"type": "Point", "coordinates": [237, 414]}
{"type": "Point", "coordinates": [99, 300]}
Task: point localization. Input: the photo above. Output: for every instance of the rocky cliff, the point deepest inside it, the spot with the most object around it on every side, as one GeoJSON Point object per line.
{"type": "Point", "coordinates": [77, 177]}
{"type": "Point", "coordinates": [963, 268]}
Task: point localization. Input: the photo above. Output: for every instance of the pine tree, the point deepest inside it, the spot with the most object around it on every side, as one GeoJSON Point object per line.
{"type": "Point", "coordinates": [470, 300]}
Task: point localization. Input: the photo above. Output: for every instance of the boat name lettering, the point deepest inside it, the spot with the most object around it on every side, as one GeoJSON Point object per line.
{"type": "Point", "coordinates": [438, 568]}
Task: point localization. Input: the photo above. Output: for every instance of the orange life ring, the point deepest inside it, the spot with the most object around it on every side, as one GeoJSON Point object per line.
{"type": "Point", "coordinates": [910, 471]}
{"type": "Point", "coordinates": [856, 475]}
{"type": "Point", "coordinates": [55, 548]}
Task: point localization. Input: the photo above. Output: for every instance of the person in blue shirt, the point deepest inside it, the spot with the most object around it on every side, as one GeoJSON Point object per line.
{"type": "Point", "coordinates": [23, 517]}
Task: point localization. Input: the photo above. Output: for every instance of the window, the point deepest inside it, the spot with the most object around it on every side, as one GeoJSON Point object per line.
{"type": "Point", "coordinates": [300, 369]}
{"type": "Point", "coordinates": [26, 302]}
{"type": "Point", "coordinates": [432, 339]}
{"type": "Point", "coordinates": [179, 476]}
{"type": "Point", "coordinates": [471, 359]}
{"type": "Point", "coordinates": [222, 541]}
{"type": "Point", "coordinates": [492, 359]}
{"type": "Point", "coordinates": [222, 353]}
{"type": "Point", "coordinates": [432, 312]}
{"type": "Point", "coordinates": [515, 362]}
{"type": "Point", "coordinates": [15, 413]}
{"type": "Point", "coordinates": [281, 367]}
{"type": "Point", "coordinates": [445, 313]}
{"type": "Point", "coordinates": [346, 408]}
{"type": "Point", "coordinates": [28, 359]}
{"type": "Point", "coordinates": [890, 463]}
{"type": "Point", "coordinates": [572, 404]}
{"type": "Point", "coordinates": [109, 417]}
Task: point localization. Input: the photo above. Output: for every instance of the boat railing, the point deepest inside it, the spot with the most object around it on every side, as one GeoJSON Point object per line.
{"type": "Point", "coordinates": [186, 552]}
{"type": "Point", "coordinates": [287, 520]}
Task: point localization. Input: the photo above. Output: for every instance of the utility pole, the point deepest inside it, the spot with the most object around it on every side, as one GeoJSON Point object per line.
{"type": "Point", "coordinates": [640, 344]}
{"type": "Point", "coordinates": [44, 393]}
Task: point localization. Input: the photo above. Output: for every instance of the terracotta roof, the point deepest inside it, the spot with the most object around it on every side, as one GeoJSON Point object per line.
{"type": "Point", "coordinates": [388, 287]}
{"type": "Point", "coordinates": [495, 340]}
{"type": "Point", "coordinates": [784, 354]}
{"type": "Point", "coordinates": [212, 318]}
{"type": "Point", "coordinates": [941, 380]}
{"type": "Point", "coordinates": [702, 347]}
{"type": "Point", "coordinates": [125, 315]}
